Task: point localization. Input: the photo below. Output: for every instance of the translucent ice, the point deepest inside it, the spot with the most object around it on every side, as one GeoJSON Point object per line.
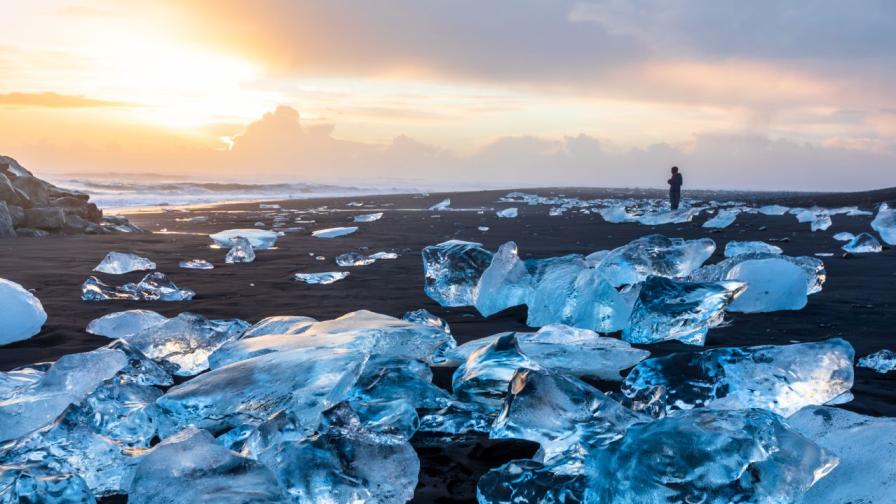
{"type": "Point", "coordinates": [615, 214]}
{"type": "Point", "coordinates": [241, 252]}
{"type": "Point", "coordinates": [423, 316]}
{"type": "Point", "coordinates": [183, 344]}
{"type": "Point", "coordinates": [442, 205]}
{"type": "Point", "coordinates": [779, 378]}
{"type": "Point", "coordinates": [196, 264]}
{"type": "Point", "coordinates": [354, 259]}
{"type": "Point", "coordinates": [679, 216]}
{"type": "Point", "coordinates": [154, 287]}
{"type": "Point", "coordinates": [505, 283]}
{"type": "Point", "coordinates": [117, 263]}
{"type": "Point", "coordinates": [192, 467]}
{"type": "Point", "coordinates": [452, 270]}
{"type": "Point", "coordinates": [844, 236]}
{"type": "Point", "coordinates": [885, 224]}
{"type": "Point", "coordinates": [324, 278]}
{"type": "Point", "coordinates": [334, 232]}
{"type": "Point", "coordinates": [21, 314]}
{"type": "Point", "coordinates": [304, 382]}
{"type": "Point", "coordinates": [140, 369]}
{"type": "Point", "coordinates": [672, 310]}
{"type": "Point", "coordinates": [864, 446]}
{"type": "Point", "coordinates": [124, 323]}
{"type": "Point", "coordinates": [773, 210]}
{"type": "Point", "coordinates": [736, 248]}
{"type": "Point", "coordinates": [746, 456]}
{"type": "Point", "coordinates": [862, 243]}
{"type": "Point", "coordinates": [485, 375]}
{"type": "Point", "coordinates": [529, 481]}
{"type": "Point", "coordinates": [507, 213]}
{"type": "Point", "coordinates": [369, 217]}
{"type": "Point", "coordinates": [35, 482]}
{"type": "Point", "coordinates": [260, 239]}
{"type": "Point", "coordinates": [379, 256]}
{"type": "Point", "coordinates": [654, 255]}
{"type": "Point", "coordinates": [882, 361]}
{"type": "Point", "coordinates": [722, 219]}
{"type": "Point", "coordinates": [280, 324]}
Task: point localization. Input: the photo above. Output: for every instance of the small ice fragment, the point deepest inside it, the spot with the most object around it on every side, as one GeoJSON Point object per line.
{"type": "Point", "coordinates": [201, 264]}
{"type": "Point", "coordinates": [369, 217]}
{"type": "Point", "coordinates": [823, 254]}
{"type": "Point", "coordinates": [269, 206]}
{"type": "Point", "coordinates": [844, 236]}
{"type": "Point", "coordinates": [679, 216]}
{"type": "Point", "coordinates": [260, 239]}
{"type": "Point", "coordinates": [442, 205]}
{"type": "Point", "coordinates": [354, 259]}
{"type": "Point", "coordinates": [324, 278]}
{"type": "Point", "coordinates": [722, 220]}
{"type": "Point", "coordinates": [334, 232]}
{"type": "Point", "coordinates": [21, 313]}
{"type": "Point", "coordinates": [773, 210]}
{"type": "Point", "coordinates": [383, 255]}
{"type": "Point", "coordinates": [117, 263]}
{"type": "Point", "coordinates": [735, 248]}
{"type": "Point", "coordinates": [121, 324]}
{"type": "Point", "coordinates": [507, 213]}
{"type": "Point", "coordinates": [241, 252]}
{"type": "Point", "coordinates": [154, 287]}
{"type": "Point", "coordinates": [615, 214]}
{"type": "Point", "coordinates": [863, 243]}
{"type": "Point", "coordinates": [483, 228]}
{"type": "Point", "coordinates": [882, 361]}
{"type": "Point", "coordinates": [556, 211]}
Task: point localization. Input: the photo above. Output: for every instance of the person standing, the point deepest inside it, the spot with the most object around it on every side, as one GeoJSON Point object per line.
{"type": "Point", "coordinates": [675, 188]}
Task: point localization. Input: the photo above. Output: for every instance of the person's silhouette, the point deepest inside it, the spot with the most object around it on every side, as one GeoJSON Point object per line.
{"type": "Point", "coordinates": [675, 188]}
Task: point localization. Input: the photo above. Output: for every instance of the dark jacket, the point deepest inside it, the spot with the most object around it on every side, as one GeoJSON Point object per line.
{"type": "Point", "coordinates": [675, 182]}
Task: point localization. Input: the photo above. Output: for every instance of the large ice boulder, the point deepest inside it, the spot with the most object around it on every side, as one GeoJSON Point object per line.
{"type": "Point", "coordinates": [21, 314]}
{"type": "Point", "coordinates": [885, 223]}
{"type": "Point", "coordinates": [118, 263]}
{"type": "Point", "coordinates": [452, 270]}
{"type": "Point", "coordinates": [654, 255]}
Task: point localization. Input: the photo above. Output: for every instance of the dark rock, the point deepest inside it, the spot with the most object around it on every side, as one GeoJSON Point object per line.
{"type": "Point", "coordinates": [17, 214]}
{"type": "Point", "coordinates": [94, 214]}
{"type": "Point", "coordinates": [11, 168]}
{"type": "Point", "coordinates": [33, 233]}
{"type": "Point", "coordinates": [49, 218]}
{"type": "Point", "coordinates": [77, 224]}
{"type": "Point", "coordinates": [6, 228]}
{"type": "Point", "coordinates": [36, 189]}
{"type": "Point", "coordinates": [58, 192]}
{"type": "Point", "coordinates": [8, 192]}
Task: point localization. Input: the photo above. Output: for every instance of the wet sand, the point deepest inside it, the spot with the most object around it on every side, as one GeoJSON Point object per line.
{"type": "Point", "coordinates": [858, 302]}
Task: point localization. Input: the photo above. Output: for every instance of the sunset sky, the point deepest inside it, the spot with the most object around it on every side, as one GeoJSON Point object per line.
{"type": "Point", "coordinates": [761, 94]}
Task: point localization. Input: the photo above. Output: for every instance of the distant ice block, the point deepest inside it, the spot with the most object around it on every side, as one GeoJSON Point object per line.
{"type": "Point", "coordinates": [885, 224]}
{"type": "Point", "coordinates": [615, 214]}
{"type": "Point", "coordinates": [485, 375]}
{"type": "Point", "coordinates": [21, 313]}
{"type": "Point", "coordinates": [154, 287]}
{"type": "Point", "coordinates": [201, 264]}
{"type": "Point", "coordinates": [280, 324]}
{"type": "Point", "coordinates": [120, 324]}
{"type": "Point", "coordinates": [708, 456]}
{"type": "Point", "coordinates": [557, 211]}
{"type": "Point", "coordinates": [379, 256]}
{"type": "Point", "coordinates": [304, 382]}
{"type": "Point", "coordinates": [736, 248]}
{"type": "Point", "coordinates": [722, 219]}
{"type": "Point", "coordinates": [679, 216]}
{"type": "Point", "coordinates": [241, 252]}
{"type": "Point", "coordinates": [442, 205]}
{"type": "Point", "coordinates": [35, 482]}
{"type": "Point", "coordinates": [864, 445]}
{"type": "Point", "coordinates": [882, 361]}
{"type": "Point", "coordinates": [117, 263]}
{"type": "Point", "coordinates": [779, 378]}
{"type": "Point", "coordinates": [191, 467]}
{"type": "Point", "coordinates": [863, 243]}
{"type": "Point", "coordinates": [354, 259]}
{"type": "Point", "coordinates": [334, 232]}
{"type": "Point", "coordinates": [505, 283]}
{"type": "Point", "coordinates": [260, 239]}
{"type": "Point", "coordinates": [507, 213]}
{"type": "Point", "coordinates": [773, 210]}
{"type": "Point", "coordinates": [68, 380]}
{"type": "Point", "coordinates": [672, 310]}
{"type": "Point", "coordinates": [324, 278]}
{"type": "Point", "coordinates": [182, 344]}
{"type": "Point", "coordinates": [818, 219]}
{"type": "Point", "coordinates": [654, 255]}
{"type": "Point", "coordinates": [368, 217]}
{"type": "Point", "coordinates": [452, 270]}
{"type": "Point", "coordinates": [844, 236]}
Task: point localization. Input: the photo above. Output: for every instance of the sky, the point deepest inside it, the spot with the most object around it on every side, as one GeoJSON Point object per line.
{"type": "Point", "coordinates": [766, 94]}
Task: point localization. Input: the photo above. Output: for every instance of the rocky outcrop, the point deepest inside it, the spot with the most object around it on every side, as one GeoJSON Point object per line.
{"type": "Point", "coordinates": [33, 207]}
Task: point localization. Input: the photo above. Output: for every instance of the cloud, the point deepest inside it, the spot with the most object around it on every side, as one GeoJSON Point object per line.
{"type": "Point", "coordinates": [53, 100]}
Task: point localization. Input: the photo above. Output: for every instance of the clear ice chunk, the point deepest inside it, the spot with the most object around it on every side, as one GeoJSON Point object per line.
{"type": "Point", "coordinates": [722, 219]}
{"type": "Point", "coordinates": [442, 205]}
{"type": "Point", "coordinates": [864, 445]}
{"type": "Point", "coordinates": [673, 310]}
{"type": "Point", "coordinates": [35, 482]}
{"type": "Point", "coordinates": [882, 361]}
{"type": "Point", "coordinates": [379, 256]}
{"type": "Point", "coordinates": [736, 248]}
{"type": "Point", "coordinates": [354, 259]}
{"type": "Point", "coordinates": [505, 283]}
{"type": "Point", "coordinates": [120, 324]}
{"type": "Point", "coordinates": [679, 216]}
{"type": "Point", "coordinates": [334, 232]}
{"type": "Point", "coordinates": [191, 467]}
{"type": "Point", "coordinates": [654, 255]}
{"type": "Point", "coordinates": [118, 263]}
{"type": "Point", "coordinates": [369, 217]}
{"type": "Point", "coordinates": [241, 252]}
{"type": "Point", "coordinates": [323, 278]}
{"type": "Point", "coordinates": [485, 375]}
{"type": "Point", "coordinates": [260, 239]}
{"type": "Point", "coordinates": [507, 213]}
{"type": "Point", "coordinates": [747, 456]}
{"type": "Point", "coordinates": [844, 236]}
{"type": "Point", "coordinates": [615, 214]}
{"type": "Point", "coordinates": [779, 378]}
{"type": "Point", "coordinates": [423, 316]}
{"type": "Point", "coordinates": [183, 344]}
{"type": "Point", "coordinates": [22, 313]}
{"type": "Point", "coordinates": [452, 270]}
{"type": "Point", "coordinates": [200, 264]}
{"type": "Point", "coordinates": [154, 287]}
{"type": "Point", "coordinates": [773, 210]}
{"type": "Point", "coordinates": [885, 224]}
{"type": "Point", "coordinates": [279, 324]}
{"type": "Point", "coordinates": [140, 369]}
{"type": "Point", "coordinates": [863, 243]}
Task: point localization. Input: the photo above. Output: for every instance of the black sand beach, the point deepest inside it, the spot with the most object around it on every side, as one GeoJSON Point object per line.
{"type": "Point", "coordinates": [858, 302]}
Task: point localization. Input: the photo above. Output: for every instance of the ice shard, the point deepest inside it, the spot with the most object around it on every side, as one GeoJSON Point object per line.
{"type": "Point", "coordinates": [260, 239]}
{"type": "Point", "coordinates": [154, 287]}
{"type": "Point", "coordinates": [452, 270]}
{"type": "Point", "coordinates": [368, 217]}
{"type": "Point", "coordinates": [722, 219]}
{"type": "Point", "coordinates": [35, 482]}
{"type": "Point", "coordinates": [442, 205]}
{"type": "Point", "coordinates": [747, 456]}
{"type": "Point", "coordinates": [334, 232]}
{"type": "Point", "coordinates": [304, 382]}
{"type": "Point", "coordinates": [120, 324]}
{"type": "Point", "coordinates": [21, 313]}
{"type": "Point", "coordinates": [673, 310]}
{"type": "Point", "coordinates": [200, 264]}
{"type": "Point", "coordinates": [882, 361]}
{"type": "Point", "coordinates": [118, 263]}
{"type": "Point", "coordinates": [864, 445]}
{"type": "Point", "coordinates": [654, 255]}
{"type": "Point", "coordinates": [192, 467]}
{"type": "Point", "coordinates": [485, 375]}
{"type": "Point", "coordinates": [736, 248]}
{"type": "Point", "coordinates": [241, 252]}
{"type": "Point", "coordinates": [779, 378]}
{"type": "Point", "coordinates": [323, 278]}
{"type": "Point", "coordinates": [280, 324]}
{"type": "Point", "coordinates": [862, 243]}
{"type": "Point", "coordinates": [354, 259]}
{"type": "Point", "coordinates": [505, 283]}
{"type": "Point", "coordinates": [885, 224]}
{"type": "Point", "coordinates": [507, 213]}
{"type": "Point", "coordinates": [183, 344]}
